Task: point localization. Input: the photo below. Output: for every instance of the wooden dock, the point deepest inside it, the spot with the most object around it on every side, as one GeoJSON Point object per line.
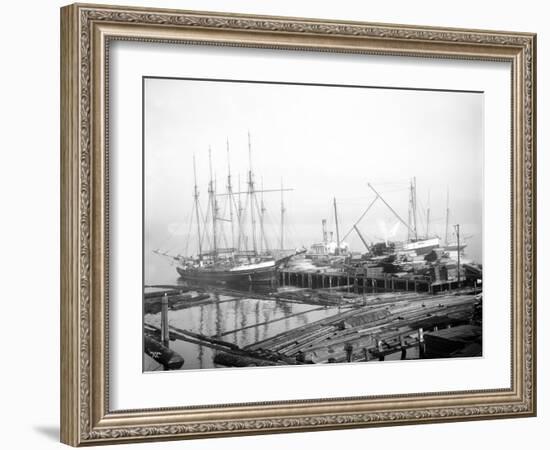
{"type": "Point", "coordinates": [358, 283]}
{"type": "Point", "coordinates": [461, 341]}
{"type": "Point", "coordinates": [362, 328]}
{"type": "Point", "coordinates": [371, 332]}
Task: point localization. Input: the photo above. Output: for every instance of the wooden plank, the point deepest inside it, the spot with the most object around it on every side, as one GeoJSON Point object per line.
{"type": "Point", "coordinates": [225, 333]}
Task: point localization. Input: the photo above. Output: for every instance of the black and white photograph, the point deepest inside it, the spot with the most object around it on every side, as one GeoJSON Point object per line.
{"type": "Point", "coordinates": [290, 223]}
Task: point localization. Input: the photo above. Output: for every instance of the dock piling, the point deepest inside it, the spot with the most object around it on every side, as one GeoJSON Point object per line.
{"type": "Point", "coordinates": [421, 343]}
{"type": "Point", "coordinates": [165, 333]}
{"type": "Point", "coordinates": [349, 352]}
{"type": "Point", "coordinates": [381, 356]}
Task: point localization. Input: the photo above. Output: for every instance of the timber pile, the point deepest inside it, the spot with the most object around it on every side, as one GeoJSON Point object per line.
{"type": "Point", "coordinates": [381, 327]}
{"type": "Point", "coordinates": [176, 300]}
{"type": "Point", "coordinates": [464, 340]}
{"type": "Point", "coordinates": [318, 297]}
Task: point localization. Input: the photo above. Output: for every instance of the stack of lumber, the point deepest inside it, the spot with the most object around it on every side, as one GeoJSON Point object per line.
{"type": "Point", "coordinates": [463, 340]}
{"type": "Point", "coordinates": [381, 327]}
{"type": "Point", "coordinates": [317, 297]}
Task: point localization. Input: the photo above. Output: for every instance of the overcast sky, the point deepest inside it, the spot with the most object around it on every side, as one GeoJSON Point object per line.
{"type": "Point", "coordinates": [323, 142]}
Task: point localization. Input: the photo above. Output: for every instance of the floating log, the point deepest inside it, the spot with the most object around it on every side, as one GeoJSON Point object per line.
{"type": "Point", "coordinates": [188, 302]}
{"type": "Point", "coordinates": [238, 354]}
{"type": "Point", "coordinates": [176, 287]}
{"type": "Point", "coordinates": [235, 360]}
{"type": "Point", "coordinates": [176, 302]}
{"type": "Point", "coordinates": [162, 354]}
{"type": "Point", "coordinates": [225, 333]}
{"type": "Point", "coordinates": [169, 292]}
{"type": "Point", "coordinates": [202, 337]}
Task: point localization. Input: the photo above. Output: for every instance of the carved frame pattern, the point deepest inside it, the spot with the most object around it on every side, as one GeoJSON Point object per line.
{"type": "Point", "coordinates": [86, 418]}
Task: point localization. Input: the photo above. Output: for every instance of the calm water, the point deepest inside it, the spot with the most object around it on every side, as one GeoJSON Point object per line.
{"type": "Point", "coordinates": [213, 319]}
{"type": "Point", "coordinates": [218, 318]}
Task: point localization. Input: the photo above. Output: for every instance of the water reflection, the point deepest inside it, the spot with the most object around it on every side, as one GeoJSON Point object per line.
{"type": "Point", "coordinates": [256, 329]}
{"type": "Point", "coordinates": [230, 314]}
{"type": "Point", "coordinates": [201, 328]}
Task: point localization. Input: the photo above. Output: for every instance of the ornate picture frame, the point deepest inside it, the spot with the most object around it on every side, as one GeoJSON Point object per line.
{"type": "Point", "coordinates": [86, 33]}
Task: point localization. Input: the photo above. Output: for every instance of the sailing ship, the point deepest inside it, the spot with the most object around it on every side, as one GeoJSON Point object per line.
{"type": "Point", "coordinates": [395, 256]}
{"type": "Point", "coordinates": [246, 261]}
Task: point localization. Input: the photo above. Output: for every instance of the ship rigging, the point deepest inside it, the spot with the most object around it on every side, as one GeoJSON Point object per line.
{"type": "Point", "coordinates": [246, 257]}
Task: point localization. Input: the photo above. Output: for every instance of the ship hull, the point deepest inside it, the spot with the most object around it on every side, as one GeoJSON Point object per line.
{"type": "Point", "coordinates": [261, 275]}
{"type": "Point", "coordinates": [422, 247]}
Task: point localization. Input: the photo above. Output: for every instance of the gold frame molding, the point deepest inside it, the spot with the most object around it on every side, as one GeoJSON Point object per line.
{"type": "Point", "coordinates": [86, 31]}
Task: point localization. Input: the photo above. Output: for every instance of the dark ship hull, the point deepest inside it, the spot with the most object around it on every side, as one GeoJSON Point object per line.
{"type": "Point", "coordinates": [252, 275]}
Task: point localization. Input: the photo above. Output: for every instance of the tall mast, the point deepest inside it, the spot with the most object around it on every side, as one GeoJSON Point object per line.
{"type": "Point", "coordinates": [337, 230]}
{"type": "Point", "coordinates": [413, 196]}
{"type": "Point", "coordinates": [447, 219]}
{"type": "Point", "coordinates": [213, 207]}
{"type": "Point", "coordinates": [239, 215]}
{"type": "Point", "coordinates": [282, 218]}
{"type": "Point", "coordinates": [428, 218]}
{"type": "Point", "coordinates": [409, 218]}
{"type": "Point", "coordinates": [196, 197]}
{"type": "Point", "coordinates": [458, 252]}
{"type": "Point", "coordinates": [230, 194]}
{"type": "Point", "coordinates": [252, 196]}
{"type": "Point", "coordinates": [263, 239]}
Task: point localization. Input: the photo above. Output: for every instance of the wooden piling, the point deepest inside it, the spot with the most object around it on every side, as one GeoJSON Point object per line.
{"type": "Point", "coordinates": [421, 344]}
{"type": "Point", "coordinates": [165, 334]}
{"type": "Point", "coordinates": [381, 355]}
{"type": "Point", "coordinates": [349, 352]}
{"type": "Point", "coordinates": [403, 348]}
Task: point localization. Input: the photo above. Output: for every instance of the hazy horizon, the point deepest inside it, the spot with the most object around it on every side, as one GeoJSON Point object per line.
{"type": "Point", "coordinates": [324, 143]}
